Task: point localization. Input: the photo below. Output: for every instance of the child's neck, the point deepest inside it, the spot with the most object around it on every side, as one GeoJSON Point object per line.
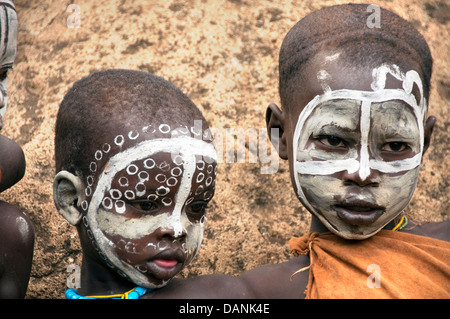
{"type": "Point", "coordinates": [317, 226]}
{"type": "Point", "coordinates": [99, 279]}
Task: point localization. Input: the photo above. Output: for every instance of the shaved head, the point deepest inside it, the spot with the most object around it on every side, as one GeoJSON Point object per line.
{"type": "Point", "coordinates": [343, 30]}
{"type": "Point", "coordinates": [106, 103]}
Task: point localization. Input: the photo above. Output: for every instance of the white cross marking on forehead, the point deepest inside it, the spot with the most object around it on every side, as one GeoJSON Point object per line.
{"type": "Point", "coordinates": [380, 94]}
{"type": "Point", "coordinates": [367, 98]}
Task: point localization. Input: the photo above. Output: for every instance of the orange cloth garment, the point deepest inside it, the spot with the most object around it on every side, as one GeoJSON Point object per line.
{"type": "Point", "coordinates": [387, 265]}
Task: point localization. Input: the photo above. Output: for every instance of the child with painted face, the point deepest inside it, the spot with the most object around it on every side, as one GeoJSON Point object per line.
{"type": "Point", "coordinates": [135, 169]}
{"type": "Point", "coordinates": [354, 128]}
{"type": "Point", "coordinates": [16, 229]}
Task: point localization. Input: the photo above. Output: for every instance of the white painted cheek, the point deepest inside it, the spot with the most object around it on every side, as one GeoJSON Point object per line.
{"type": "Point", "coordinates": [395, 192]}
{"type": "Point", "coordinates": [326, 167]}
{"type": "Point", "coordinates": [194, 239]}
{"type": "Point", "coordinates": [134, 228]}
{"type": "Point", "coordinates": [321, 191]}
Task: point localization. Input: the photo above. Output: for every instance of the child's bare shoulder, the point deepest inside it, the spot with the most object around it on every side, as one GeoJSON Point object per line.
{"type": "Point", "coordinates": [437, 230]}
{"type": "Point", "coordinates": [284, 280]}
{"type": "Point", "coordinates": [15, 227]}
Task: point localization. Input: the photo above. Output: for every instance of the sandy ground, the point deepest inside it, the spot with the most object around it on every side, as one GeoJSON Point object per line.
{"type": "Point", "coordinates": [223, 55]}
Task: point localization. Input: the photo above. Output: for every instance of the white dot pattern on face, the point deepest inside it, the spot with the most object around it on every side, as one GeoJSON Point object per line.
{"type": "Point", "coordinates": [123, 181]}
{"type": "Point", "coordinates": [132, 169]}
{"type": "Point", "coordinates": [136, 176]}
{"type": "Point", "coordinates": [118, 167]}
{"type": "Point", "coordinates": [166, 175]}
{"type": "Point", "coordinates": [204, 178]}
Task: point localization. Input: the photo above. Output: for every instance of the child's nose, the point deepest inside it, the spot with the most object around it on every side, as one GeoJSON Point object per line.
{"type": "Point", "coordinates": [355, 178]}
{"type": "Point", "coordinates": [175, 230]}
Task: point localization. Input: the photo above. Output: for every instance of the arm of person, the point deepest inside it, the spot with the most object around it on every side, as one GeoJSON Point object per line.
{"type": "Point", "coordinates": [12, 163]}
{"type": "Point", "coordinates": [215, 286]}
{"type": "Point", "coordinates": [16, 251]}
{"type": "Point", "coordinates": [436, 230]}
{"type": "Point", "coordinates": [264, 282]}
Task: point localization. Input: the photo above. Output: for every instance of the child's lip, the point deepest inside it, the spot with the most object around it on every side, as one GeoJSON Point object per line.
{"type": "Point", "coordinates": [359, 213]}
{"type": "Point", "coordinates": [169, 257]}
{"type": "Point", "coordinates": [165, 263]}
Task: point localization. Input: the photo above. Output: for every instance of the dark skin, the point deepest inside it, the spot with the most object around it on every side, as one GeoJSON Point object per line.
{"type": "Point", "coordinates": [17, 242]}
{"type": "Point", "coordinates": [97, 278]}
{"type": "Point", "coordinates": [259, 282]}
{"type": "Point", "coordinates": [16, 229]}
{"type": "Point", "coordinates": [12, 163]}
{"type": "Point", "coordinates": [355, 79]}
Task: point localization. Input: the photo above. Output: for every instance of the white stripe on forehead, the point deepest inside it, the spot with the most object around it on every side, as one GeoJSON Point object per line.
{"type": "Point", "coordinates": [188, 148]}
{"type": "Point", "coordinates": [364, 170]}
{"type": "Point", "coordinates": [380, 94]}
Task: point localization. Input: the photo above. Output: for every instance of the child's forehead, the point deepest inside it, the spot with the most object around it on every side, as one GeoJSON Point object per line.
{"type": "Point", "coordinates": [166, 163]}
{"type": "Point", "coordinates": [118, 141]}
{"type": "Point", "coordinates": [326, 75]}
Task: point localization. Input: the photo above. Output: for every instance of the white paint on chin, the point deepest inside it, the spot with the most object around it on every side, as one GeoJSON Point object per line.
{"type": "Point", "coordinates": [364, 164]}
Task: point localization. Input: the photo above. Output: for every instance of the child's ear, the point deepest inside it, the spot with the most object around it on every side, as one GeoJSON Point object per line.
{"type": "Point", "coordinates": [67, 191]}
{"type": "Point", "coordinates": [275, 119]}
{"type": "Point", "coordinates": [428, 130]}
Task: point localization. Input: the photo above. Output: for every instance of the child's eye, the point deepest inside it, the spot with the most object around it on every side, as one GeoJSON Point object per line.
{"type": "Point", "coordinates": [3, 74]}
{"type": "Point", "coordinates": [395, 147]}
{"type": "Point", "coordinates": [197, 207]}
{"type": "Point", "coordinates": [145, 206]}
{"type": "Point", "coordinates": [330, 140]}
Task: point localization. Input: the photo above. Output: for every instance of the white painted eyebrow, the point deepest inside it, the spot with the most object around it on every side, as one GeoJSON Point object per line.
{"type": "Point", "coordinates": [182, 144]}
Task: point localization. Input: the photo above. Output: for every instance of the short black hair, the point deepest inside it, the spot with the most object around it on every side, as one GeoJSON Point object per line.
{"type": "Point", "coordinates": [345, 27]}
{"type": "Point", "coordinates": [114, 98]}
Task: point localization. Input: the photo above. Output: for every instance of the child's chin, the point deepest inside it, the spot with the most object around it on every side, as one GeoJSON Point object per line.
{"type": "Point", "coordinates": [360, 233]}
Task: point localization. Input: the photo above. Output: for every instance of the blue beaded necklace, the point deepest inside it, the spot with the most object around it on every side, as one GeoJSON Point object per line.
{"type": "Point", "coordinates": [134, 293]}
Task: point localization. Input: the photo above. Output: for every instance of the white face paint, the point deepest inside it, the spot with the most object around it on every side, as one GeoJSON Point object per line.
{"type": "Point", "coordinates": [353, 132]}
{"type": "Point", "coordinates": [156, 187]}
{"type": "Point", "coordinates": [8, 43]}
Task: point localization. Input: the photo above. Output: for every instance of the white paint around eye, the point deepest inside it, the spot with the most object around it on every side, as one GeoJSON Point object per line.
{"type": "Point", "coordinates": [102, 222]}
{"type": "Point", "coordinates": [364, 164]}
{"type": "Point", "coordinates": [365, 97]}
{"type": "Point", "coordinates": [187, 146]}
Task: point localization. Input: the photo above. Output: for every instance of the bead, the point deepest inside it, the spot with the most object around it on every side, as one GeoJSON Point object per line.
{"type": "Point", "coordinates": [136, 293]}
